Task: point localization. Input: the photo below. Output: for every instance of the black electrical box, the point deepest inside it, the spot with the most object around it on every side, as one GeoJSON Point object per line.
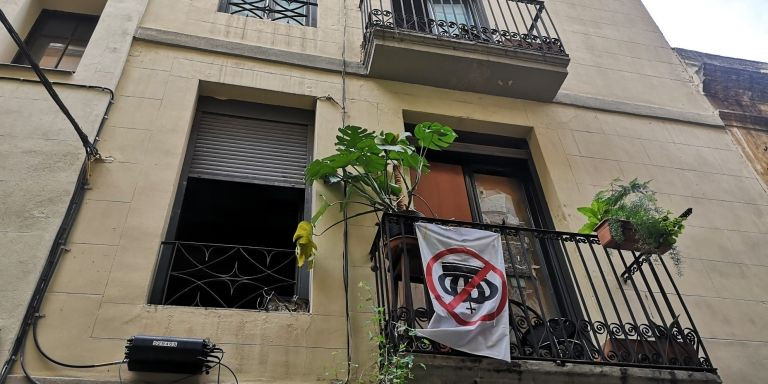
{"type": "Point", "coordinates": [169, 354]}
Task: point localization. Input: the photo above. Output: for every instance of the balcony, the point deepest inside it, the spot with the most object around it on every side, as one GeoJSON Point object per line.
{"type": "Point", "coordinates": [571, 302]}
{"type": "Point", "coordinates": [507, 48]}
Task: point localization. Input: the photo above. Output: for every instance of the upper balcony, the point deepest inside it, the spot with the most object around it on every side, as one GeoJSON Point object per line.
{"type": "Point", "coordinates": [571, 302]}
{"type": "Point", "coordinates": [507, 48]}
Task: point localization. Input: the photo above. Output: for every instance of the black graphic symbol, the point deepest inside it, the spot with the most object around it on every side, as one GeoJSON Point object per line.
{"type": "Point", "coordinates": [457, 275]}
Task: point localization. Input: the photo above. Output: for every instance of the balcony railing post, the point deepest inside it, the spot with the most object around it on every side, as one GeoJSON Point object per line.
{"type": "Point", "coordinates": [651, 324]}
{"type": "Point", "coordinates": [580, 295]}
{"type": "Point", "coordinates": [528, 320]}
{"type": "Point", "coordinates": [699, 343]}
{"type": "Point", "coordinates": [634, 325]}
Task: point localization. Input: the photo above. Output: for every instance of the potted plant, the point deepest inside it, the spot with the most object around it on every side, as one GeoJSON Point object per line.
{"type": "Point", "coordinates": [628, 217]}
{"type": "Point", "coordinates": [374, 168]}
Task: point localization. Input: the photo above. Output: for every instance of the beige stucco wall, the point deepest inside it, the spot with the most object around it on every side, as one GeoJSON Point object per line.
{"type": "Point", "coordinates": [576, 150]}
{"type": "Point", "coordinates": [619, 54]}
{"type": "Point", "coordinates": [40, 154]}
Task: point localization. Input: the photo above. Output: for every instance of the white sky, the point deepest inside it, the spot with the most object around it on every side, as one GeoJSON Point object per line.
{"type": "Point", "coordinates": [735, 28]}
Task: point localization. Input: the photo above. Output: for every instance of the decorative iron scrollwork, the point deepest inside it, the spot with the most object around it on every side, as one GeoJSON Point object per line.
{"type": "Point", "coordinates": [606, 324]}
{"type": "Point", "coordinates": [299, 12]}
{"type": "Point", "coordinates": [229, 276]}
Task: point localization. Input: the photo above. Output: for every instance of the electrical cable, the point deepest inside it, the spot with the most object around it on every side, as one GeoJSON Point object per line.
{"type": "Point", "coordinates": [345, 256]}
{"type": "Point", "coordinates": [86, 86]}
{"type": "Point", "coordinates": [119, 374]}
{"type": "Point", "coordinates": [65, 228]}
{"type": "Point", "coordinates": [24, 370]}
{"type": "Point", "coordinates": [90, 150]}
{"type": "Point", "coordinates": [230, 371]}
{"type": "Point", "coordinates": [54, 361]}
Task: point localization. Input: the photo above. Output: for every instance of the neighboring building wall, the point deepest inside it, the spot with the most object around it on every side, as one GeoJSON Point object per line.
{"type": "Point", "coordinates": [40, 154]}
{"type": "Point", "coordinates": [620, 62]}
{"type": "Point", "coordinates": [739, 90]}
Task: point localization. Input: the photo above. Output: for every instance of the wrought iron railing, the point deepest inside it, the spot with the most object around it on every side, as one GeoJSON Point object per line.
{"type": "Point", "coordinates": [229, 276]}
{"type": "Point", "coordinates": [567, 299]}
{"type": "Point", "coordinates": [298, 12]}
{"type": "Point", "coordinates": [520, 24]}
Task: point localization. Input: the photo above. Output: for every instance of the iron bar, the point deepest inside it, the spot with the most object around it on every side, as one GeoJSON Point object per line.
{"type": "Point", "coordinates": [479, 21]}
{"type": "Point", "coordinates": [631, 328]}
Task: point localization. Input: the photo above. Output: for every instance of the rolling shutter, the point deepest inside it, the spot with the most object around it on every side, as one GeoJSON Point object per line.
{"type": "Point", "coordinates": [252, 150]}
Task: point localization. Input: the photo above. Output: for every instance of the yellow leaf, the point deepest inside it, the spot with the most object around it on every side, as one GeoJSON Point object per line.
{"type": "Point", "coordinates": [305, 247]}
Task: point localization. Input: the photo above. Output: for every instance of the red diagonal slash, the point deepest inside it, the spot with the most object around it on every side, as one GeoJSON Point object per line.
{"type": "Point", "coordinates": [467, 290]}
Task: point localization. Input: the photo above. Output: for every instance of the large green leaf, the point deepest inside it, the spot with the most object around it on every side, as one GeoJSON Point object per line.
{"type": "Point", "coordinates": [589, 227]}
{"type": "Point", "coordinates": [318, 170]}
{"type": "Point", "coordinates": [434, 135]}
{"type": "Point", "coordinates": [351, 136]}
{"type": "Point", "coordinates": [588, 212]}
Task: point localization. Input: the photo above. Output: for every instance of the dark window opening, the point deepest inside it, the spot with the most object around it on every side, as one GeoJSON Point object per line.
{"type": "Point", "coordinates": [228, 212]}
{"type": "Point", "coordinates": [241, 233]}
{"type": "Point", "coordinates": [229, 242]}
{"type": "Point", "coordinates": [58, 39]}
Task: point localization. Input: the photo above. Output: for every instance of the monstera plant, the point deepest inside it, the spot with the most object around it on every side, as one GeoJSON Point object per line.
{"type": "Point", "coordinates": [379, 170]}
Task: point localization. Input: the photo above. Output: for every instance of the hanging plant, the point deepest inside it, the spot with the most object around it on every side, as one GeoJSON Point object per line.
{"type": "Point", "coordinates": [628, 217]}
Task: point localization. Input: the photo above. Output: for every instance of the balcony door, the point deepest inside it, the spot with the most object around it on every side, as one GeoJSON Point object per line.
{"type": "Point", "coordinates": [492, 194]}
{"type": "Point", "coordinates": [448, 17]}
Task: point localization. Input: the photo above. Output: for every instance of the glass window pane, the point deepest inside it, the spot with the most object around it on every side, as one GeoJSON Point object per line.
{"type": "Point", "coordinates": [449, 10]}
{"type": "Point", "coordinates": [248, 8]}
{"type": "Point", "coordinates": [72, 56]}
{"type": "Point", "coordinates": [502, 200]}
{"type": "Point", "coordinates": [51, 55]}
{"type": "Point", "coordinates": [289, 12]}
{"type": "Point", "coordinates": [46, 51]}
{"type": "Point", "coordinates": [57, 32]}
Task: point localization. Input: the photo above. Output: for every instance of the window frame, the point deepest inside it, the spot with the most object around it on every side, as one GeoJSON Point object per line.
{"type": "Point", "coordinates": [310, 16]}
{"type": "Point", "coordinates": [239, 109]}
{"type": "Point", "coordinates": [483, 152]}
{"type": "Point", "coordinates": [35, 31]}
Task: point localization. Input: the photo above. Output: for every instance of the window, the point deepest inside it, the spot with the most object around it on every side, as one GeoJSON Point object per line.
{"type": "Point", "coordinates": [58, 39]}
{"type": "Point", "coordinates": [441, 17]}
{"type": "Point", "coordinates": [492, 181]}
{"type": "Point", "coordinates": [241, 194]}
{"type": "Point", "coordinates": [296, 12]}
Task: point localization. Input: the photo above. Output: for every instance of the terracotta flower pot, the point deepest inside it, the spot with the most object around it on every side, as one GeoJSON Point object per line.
{"type": "Point", "coordinates": [403, 243]}
{"type": "Point", "coordinates": [630, 242]}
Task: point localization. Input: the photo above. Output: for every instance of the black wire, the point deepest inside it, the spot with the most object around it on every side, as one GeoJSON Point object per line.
{"type": "Point", "coordinates": [345, 261]}
{"type": "Point", "coordinates": [230, 371]}
{"type": "Point", "coordinates": [90, 149]}
{"type": "Point", "coordinates": [119, 372]}
{"type": "Point", "coordinates": [24, 369]}
{"type": "Point", "coordinates": [52, 360]}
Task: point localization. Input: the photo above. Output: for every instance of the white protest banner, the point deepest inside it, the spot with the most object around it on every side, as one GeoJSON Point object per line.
{"type": "Point", "coordinates": [464, 272]}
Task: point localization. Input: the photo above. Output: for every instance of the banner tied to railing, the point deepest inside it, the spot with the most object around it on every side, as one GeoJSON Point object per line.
{"type": "Point", "coordinates": [464, 272]}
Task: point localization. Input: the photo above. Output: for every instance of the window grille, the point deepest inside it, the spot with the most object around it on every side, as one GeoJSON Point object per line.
{"type": "Point", "coordinates": [295, 12]}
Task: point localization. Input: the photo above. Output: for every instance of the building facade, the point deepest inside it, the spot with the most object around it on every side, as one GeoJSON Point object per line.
{"type": "Point", "coordinates": [40, 152]}
{"type": "Point", "coordinates": [736, 88]}
{"type": "Point", "coordinates": [221, 104]}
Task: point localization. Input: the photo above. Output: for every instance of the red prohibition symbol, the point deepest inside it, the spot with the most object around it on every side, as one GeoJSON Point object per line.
{"type": "Point", "coordinates": [451, 306]}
